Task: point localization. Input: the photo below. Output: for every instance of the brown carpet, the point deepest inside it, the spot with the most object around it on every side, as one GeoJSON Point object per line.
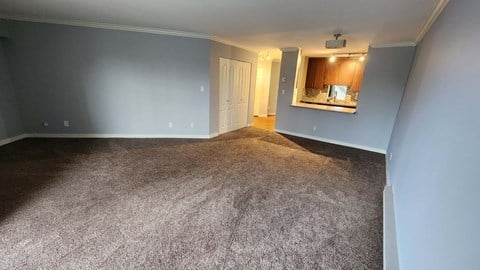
{"type": "Point", "coordinates": [250, 199]}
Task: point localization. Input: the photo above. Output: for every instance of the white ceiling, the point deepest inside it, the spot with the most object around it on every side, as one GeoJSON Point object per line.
{"type": "Point", "coordinates": [257, 24]}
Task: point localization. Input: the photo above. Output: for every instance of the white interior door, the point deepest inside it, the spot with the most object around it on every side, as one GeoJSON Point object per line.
{"type": "Point", "coordinates": [241, 93]}
{"type": "Point", "coordinates": [234, 94]}
{"type": "Point", "coordinates": [224, 95]}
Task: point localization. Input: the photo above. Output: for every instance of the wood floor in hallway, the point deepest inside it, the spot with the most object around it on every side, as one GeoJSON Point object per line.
{"type": "Point", "coordinates": [267, 123]}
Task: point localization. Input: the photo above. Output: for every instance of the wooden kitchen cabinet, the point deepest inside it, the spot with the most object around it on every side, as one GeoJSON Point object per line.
{"type": "Point", "coordinates": [358, 77]}
{"type": "Point", "coordinates": [316, 73]}
{"type": "Point", "coordinates": [331, 73]}
{"type": "Point", "coordinates": [344, 71]}
{"type": "Point", "coordinates": [311, 73]}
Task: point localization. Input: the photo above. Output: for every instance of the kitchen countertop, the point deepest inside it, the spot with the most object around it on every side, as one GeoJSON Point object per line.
{"type": "Point", "coordinates": [329, 107]}
{"type": "Point", "coordinates": [347, 103]}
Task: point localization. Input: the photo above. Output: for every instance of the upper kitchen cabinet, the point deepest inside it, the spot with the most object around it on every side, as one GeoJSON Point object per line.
{"type": "Point", "coordinates": [316, 73]}
{"type": "Point", "coordinates": [343, 71]}
{"type": "Point", "coordinates": [358, 76]}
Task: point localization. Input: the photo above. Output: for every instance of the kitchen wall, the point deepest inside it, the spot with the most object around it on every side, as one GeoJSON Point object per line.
{"type": "Point", "coordinates": [218, 50]}
{"type": "Point", "coordinates": [10, 120]}
{"type": "Point", "coordinates": [109, 81]}
{"type": "Point", "coordinates": [435, 148]}
{"type": "Point", "coordinates": [370, 128]}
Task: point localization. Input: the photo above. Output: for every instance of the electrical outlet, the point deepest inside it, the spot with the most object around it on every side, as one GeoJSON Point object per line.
{"type": "Point", "coordinates": [314, 127]}
{"type": "Point", "coordinates": [283, 91]}
{"type": "Point", "coordinates": [66, 124]}
{"type": "Point", "coordinates": [192, 125]}
{"type": "Point", "coordinates": [170, 125]}
{"type": "Point", "coordinates": [202, 88]}
{"type": "Point", "coordinates": [45, 124]}
{"type": "Point", "coordinates": [391, 156]}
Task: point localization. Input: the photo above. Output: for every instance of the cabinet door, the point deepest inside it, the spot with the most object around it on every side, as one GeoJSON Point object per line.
{"type": "Point", "coordinates": [320, 73]}
{"type": "Point", "coordinates": [311, 73]}
{"type": "Point", "coordinates": [331, 72]}
{"type": "Point", "coordinates": [346, 71]}
{"type": "Point", "coordinates": [358, 76]}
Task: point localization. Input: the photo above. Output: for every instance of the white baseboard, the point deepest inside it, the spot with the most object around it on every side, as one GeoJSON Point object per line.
{"type": "Point", "coordinates": [387, 171]}
{"type": "Point", "coordinates": [213, 135]}
{"type": "Point", "coordinates": [105, 136]}
{"type": "Point", "coordinates": [116, 135]}
{"type": "Point", "coordinates": [362, 147]}
{"type": "Point", "coordinates": [390, 251]}
{"type": "Point", "coordinates": [12, 139]}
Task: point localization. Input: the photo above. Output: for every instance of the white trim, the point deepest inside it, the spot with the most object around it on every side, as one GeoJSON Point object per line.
{"type": "Point", "coordinates": [387, 170]}
{"type": "Point", "coordinates": [394, 44]}
{"type": "Point", "coordinates": [116, 135]}
{"type": "Point", "coordinates": [272, 114]}
{"type": "Point", "coordinates": [157, 31]}
{"type": "Point", "coordinates": [12, 139]}
{"type": "Point", "coordinates": [221, 40]}
{"type": "Point", "coordinates": [362, 147]}
{"type": "Point", "coordinates": [213, 135]}
{"type": "Point", "coordinates": [437, 9]}
{"type": "Point", "coordinates": [390, 250]}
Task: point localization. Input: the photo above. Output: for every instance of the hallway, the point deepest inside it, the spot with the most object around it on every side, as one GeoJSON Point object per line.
{"type": "Point", "coordinates": [267, 123]}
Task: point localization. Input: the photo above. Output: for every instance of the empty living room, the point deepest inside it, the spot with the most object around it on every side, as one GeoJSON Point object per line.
{"type": "Point", "coordinates": [221, 134]}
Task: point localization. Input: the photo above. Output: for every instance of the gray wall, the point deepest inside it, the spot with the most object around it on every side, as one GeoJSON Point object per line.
{"type": "Point", "coordinates": [3, 28]}
{"type": "Point", "coordinates": [384, 81]}
{"type": "Point", "coordinates": [435, 168]}
{"type": "Point", "coordinates": [10, 121]}
{"type": "Point", "coordinates": [218, 50]}
{"type": "Point", "coordinates": [109, 82]}
{"type": "Point", "coordinates": [273, 95]}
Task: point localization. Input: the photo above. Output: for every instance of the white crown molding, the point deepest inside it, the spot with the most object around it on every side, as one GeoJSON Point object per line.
{"type": "Point", "coordinates": [224, 41]}
{"type": "Point", "coordinates": [437, 9]}
{"type": "Point", "coordinates": [157, 31]}
{"type": "Point", "coordinates": [394, 44]}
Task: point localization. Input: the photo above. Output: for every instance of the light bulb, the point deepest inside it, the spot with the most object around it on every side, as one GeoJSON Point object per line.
{"type": "Point", "coordinates": [362, 58]}
{"type": "Point", "coordinates": [332, 59]}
